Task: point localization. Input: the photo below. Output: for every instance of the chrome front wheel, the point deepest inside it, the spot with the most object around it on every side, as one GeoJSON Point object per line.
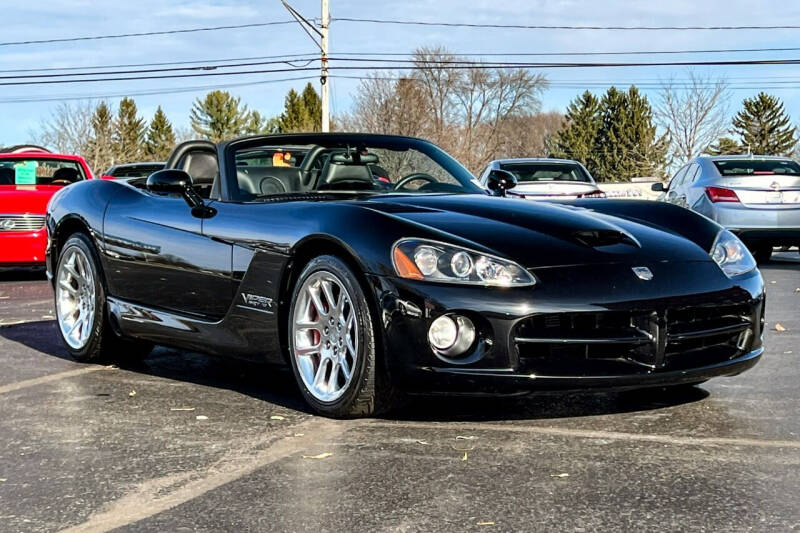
{"type": "Point", "coordinates": [75, 298]}
{"type": "Point", "coordinates": [325, 334]}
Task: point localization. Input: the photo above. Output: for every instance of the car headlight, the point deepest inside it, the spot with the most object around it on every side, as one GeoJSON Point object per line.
{"type": "Point", "coordinates": [731, 254]}
{"type": "Point", "coordinates": [435, 261]}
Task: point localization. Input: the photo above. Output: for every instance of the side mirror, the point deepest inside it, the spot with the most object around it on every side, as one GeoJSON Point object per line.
{"type": "Point", "coordinates": [174, 181]}
{"type": "Point", "coordinates": [657, 187]}
{"type": "Point", "coordinates": [499, 181]}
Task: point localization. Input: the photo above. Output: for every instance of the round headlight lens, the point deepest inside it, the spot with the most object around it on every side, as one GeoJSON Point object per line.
{"type": "Point", "coordinates": [443, 333]}
{"type": "Point", "coordinates": [492, 271]}
{"type": "Point", "coordinates": [427, 260]}
{"type": "Point", "coordinates": [461, 264]}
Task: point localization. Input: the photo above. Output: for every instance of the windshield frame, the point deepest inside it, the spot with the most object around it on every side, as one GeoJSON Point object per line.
{"type": "Point", "coordinates": [227, 153]}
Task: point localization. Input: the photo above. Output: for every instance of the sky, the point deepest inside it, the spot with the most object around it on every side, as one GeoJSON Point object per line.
{"type": "Point", "coordinates": [43, 19]}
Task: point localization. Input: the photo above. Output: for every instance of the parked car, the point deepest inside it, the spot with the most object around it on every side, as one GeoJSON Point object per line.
{"type": "Point", "coordinates": [547, 178]}
{"type": "Point", "coordinates": [29, 176]}
{"type": "Point", "coordinates": [755, 197]}
{"type": "Point", "coordinates": [133, 170]}
{"type": "Point", "coordinates": [421, 283]}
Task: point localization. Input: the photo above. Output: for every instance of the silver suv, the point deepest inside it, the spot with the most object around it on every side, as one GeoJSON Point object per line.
{"type": "Point", "coordinates": [756, 197]}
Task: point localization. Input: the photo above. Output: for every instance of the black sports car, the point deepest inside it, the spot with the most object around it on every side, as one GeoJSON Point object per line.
{"type": "Point", "coordinates": [377, 265]}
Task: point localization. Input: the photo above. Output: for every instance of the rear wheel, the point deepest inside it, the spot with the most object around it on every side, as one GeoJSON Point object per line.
{"type": "Point", "coordinates": [81, 309]}
{"type": "Point", "coordinates": [333, 352]}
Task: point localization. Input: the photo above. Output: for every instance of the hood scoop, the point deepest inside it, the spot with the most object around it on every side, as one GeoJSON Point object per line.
{"type": "Point", "coordinates": [598, 238]}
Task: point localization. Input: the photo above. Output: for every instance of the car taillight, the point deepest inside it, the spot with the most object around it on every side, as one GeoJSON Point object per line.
{"type": "Point", "coordinates": [720, 194]}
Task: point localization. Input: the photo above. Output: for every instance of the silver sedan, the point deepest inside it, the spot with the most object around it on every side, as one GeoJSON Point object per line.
{"type": "Point", "coordinates": [546, 178]}
{"type": "Point", "coordinates": [756, 197]}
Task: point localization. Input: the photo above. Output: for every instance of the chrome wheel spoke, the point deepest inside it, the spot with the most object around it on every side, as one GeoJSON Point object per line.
{"type": "Point", "coordinates": [75, 293]}
{"type": "Point", "coordinates": [323, 330]}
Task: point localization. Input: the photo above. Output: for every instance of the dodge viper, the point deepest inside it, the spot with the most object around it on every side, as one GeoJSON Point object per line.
{"type": "Point", "coordinates": [417, 282]}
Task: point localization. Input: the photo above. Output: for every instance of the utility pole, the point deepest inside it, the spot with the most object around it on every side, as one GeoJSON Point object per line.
{"type": "Point", "coordinates": [322, 44]}
{"type": "Point", "coordinates": [323, 79]}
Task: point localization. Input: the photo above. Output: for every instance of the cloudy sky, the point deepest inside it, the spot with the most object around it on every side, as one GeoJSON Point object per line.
{"type": "Point", "coordinates": [52, 19]}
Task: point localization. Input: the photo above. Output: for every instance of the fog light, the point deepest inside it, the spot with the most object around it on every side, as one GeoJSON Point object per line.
{"type": "Point", "coordinates": [443, 333]}
{"type": "Point", "coordinates": [451, 336]}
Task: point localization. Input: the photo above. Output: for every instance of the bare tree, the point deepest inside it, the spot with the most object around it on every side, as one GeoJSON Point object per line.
{"type": "Point", "coordinates": [67, 129]}
{"type": "Point", "coordinates": [694, 113]}
{"type": "Point", "coordinates": [529, 135]}
{"type": "Point", "coordinates": [465, 110]}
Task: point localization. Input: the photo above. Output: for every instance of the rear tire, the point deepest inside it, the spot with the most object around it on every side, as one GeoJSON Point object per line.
{"type": "Point", "coordinates": [82, 311]}
{"type": "Point", "coordinates": [332, 343]}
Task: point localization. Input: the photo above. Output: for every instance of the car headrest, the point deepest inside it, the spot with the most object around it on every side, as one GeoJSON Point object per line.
{"type": "Point", "coordinates": [353, 158]}
{"type": "Point", "coordinates": [203, 168]}
{"type": "Point", "coordinates": [66, 174]}
{"type": "Point", "coordinates": [338, 172]}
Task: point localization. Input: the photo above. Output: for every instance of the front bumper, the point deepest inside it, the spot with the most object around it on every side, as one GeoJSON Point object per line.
{"type": "Point", "coordinates": [22, 248]}
{"type": "Point", "coordinates": [583, 327]}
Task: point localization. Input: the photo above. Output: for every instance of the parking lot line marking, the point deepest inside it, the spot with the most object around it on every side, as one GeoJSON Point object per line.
{"type": "Point", "coordinates": [162, 494]}
{"type": "Point", "coordinates": [47, 379]}
{"type": "Point", "coordinates": [595, 434]}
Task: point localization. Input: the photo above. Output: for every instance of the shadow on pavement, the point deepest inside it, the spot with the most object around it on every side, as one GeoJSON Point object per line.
{"type": "Point", "coordinates": [23, 274]}
{"type": "Point", "coordinates": [276, 385]}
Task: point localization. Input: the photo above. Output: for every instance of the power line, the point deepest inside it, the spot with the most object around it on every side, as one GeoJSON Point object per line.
{"type": "Point", "coordinates": [402, 65]}
{"type": "Point", "coordinates": [29, 99]}
{"type": "Point", "coordinates": [547, 27]}
{"type": "Point", "coordinates": [611, 53]}
{"type": "Point", "coordinates": [307, 61]}
{"type": "Point", "coordinates": [163, 63]}
{"type": "Point", "coordinates": [147, 33]}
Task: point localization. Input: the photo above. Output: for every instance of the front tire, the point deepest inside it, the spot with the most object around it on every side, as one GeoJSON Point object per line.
{"type": "Point", "coordinates": [332, 346]}
{"type": "Point", "coordinates": [81, 309]}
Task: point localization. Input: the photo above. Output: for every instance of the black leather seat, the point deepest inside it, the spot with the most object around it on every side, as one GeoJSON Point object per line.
{"type": "Point", "coordinates": [341, 175]}
{"type": "Point", "coordinates": [70, 175]}
{"type": "Point", "coordinates": [204, 170]}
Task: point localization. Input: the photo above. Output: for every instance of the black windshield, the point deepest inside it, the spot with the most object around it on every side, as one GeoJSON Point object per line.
{"type": "Point", "coordinates": [545, 171]}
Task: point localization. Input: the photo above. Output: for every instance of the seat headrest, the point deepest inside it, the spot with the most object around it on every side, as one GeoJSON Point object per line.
{"type": "Point", "coordinates": [66, 174]}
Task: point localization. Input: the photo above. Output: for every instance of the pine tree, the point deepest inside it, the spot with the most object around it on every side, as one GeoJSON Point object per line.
{"type": "Point", "coordinates": [724, 146]}
{"type": "Point", "coordinates": [99, 148]}
{"type": "Point", "coordinates": [764, 126]}
{"type": "Point", "coordinates": [160, 137]}
{"type": "Point", "coordinates": [302, 112]}
{"type": "Point", "coordinates": [577, 140]}
{"type": "Point", "coordinates": [626, 144]}
{"type": "Point", "coordinates": [219, 116]}
{"type": "Point", "coordinates": [129, 133]}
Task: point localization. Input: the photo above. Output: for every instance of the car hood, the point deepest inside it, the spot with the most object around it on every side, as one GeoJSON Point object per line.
{"type": "Point", "coordinates": [26, 198]}
{"type": "Point", "coordinates": [539, 234]}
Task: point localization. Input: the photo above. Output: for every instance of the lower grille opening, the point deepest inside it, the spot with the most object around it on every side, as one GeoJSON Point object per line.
{"type": "Point", "coordinates": [631, 342]}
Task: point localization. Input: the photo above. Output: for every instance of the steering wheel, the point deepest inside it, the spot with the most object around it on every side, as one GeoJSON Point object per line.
{"type": "Point", "coordinates": [60, 182]}
{"type": "Point", "coordinates": [414, 177]}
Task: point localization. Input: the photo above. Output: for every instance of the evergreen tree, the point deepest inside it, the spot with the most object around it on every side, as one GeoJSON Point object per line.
{"type": "Point", "coordinates": [129, 133]}
{"type": "Point", "coordinates": [578, 139]}
{"type": "Point", "coordinates": [160, 137]}
{"type": "Point", "coordinates": [724, 146]}
{"type": "Point", "coordinates": [302, 112]}
{"type": "Point", "coordinates": [99, 147]}
{"type": "Point", "coordinates": [219, 116]}
{"type": "Point", "coordinates": [764, 126]}
{"type": "Point", "coordinates": [626, 144]}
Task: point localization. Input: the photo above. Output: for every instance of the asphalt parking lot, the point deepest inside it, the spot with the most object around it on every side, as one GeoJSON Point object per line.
{"type": "Point", "coordinates": [184, 442]}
